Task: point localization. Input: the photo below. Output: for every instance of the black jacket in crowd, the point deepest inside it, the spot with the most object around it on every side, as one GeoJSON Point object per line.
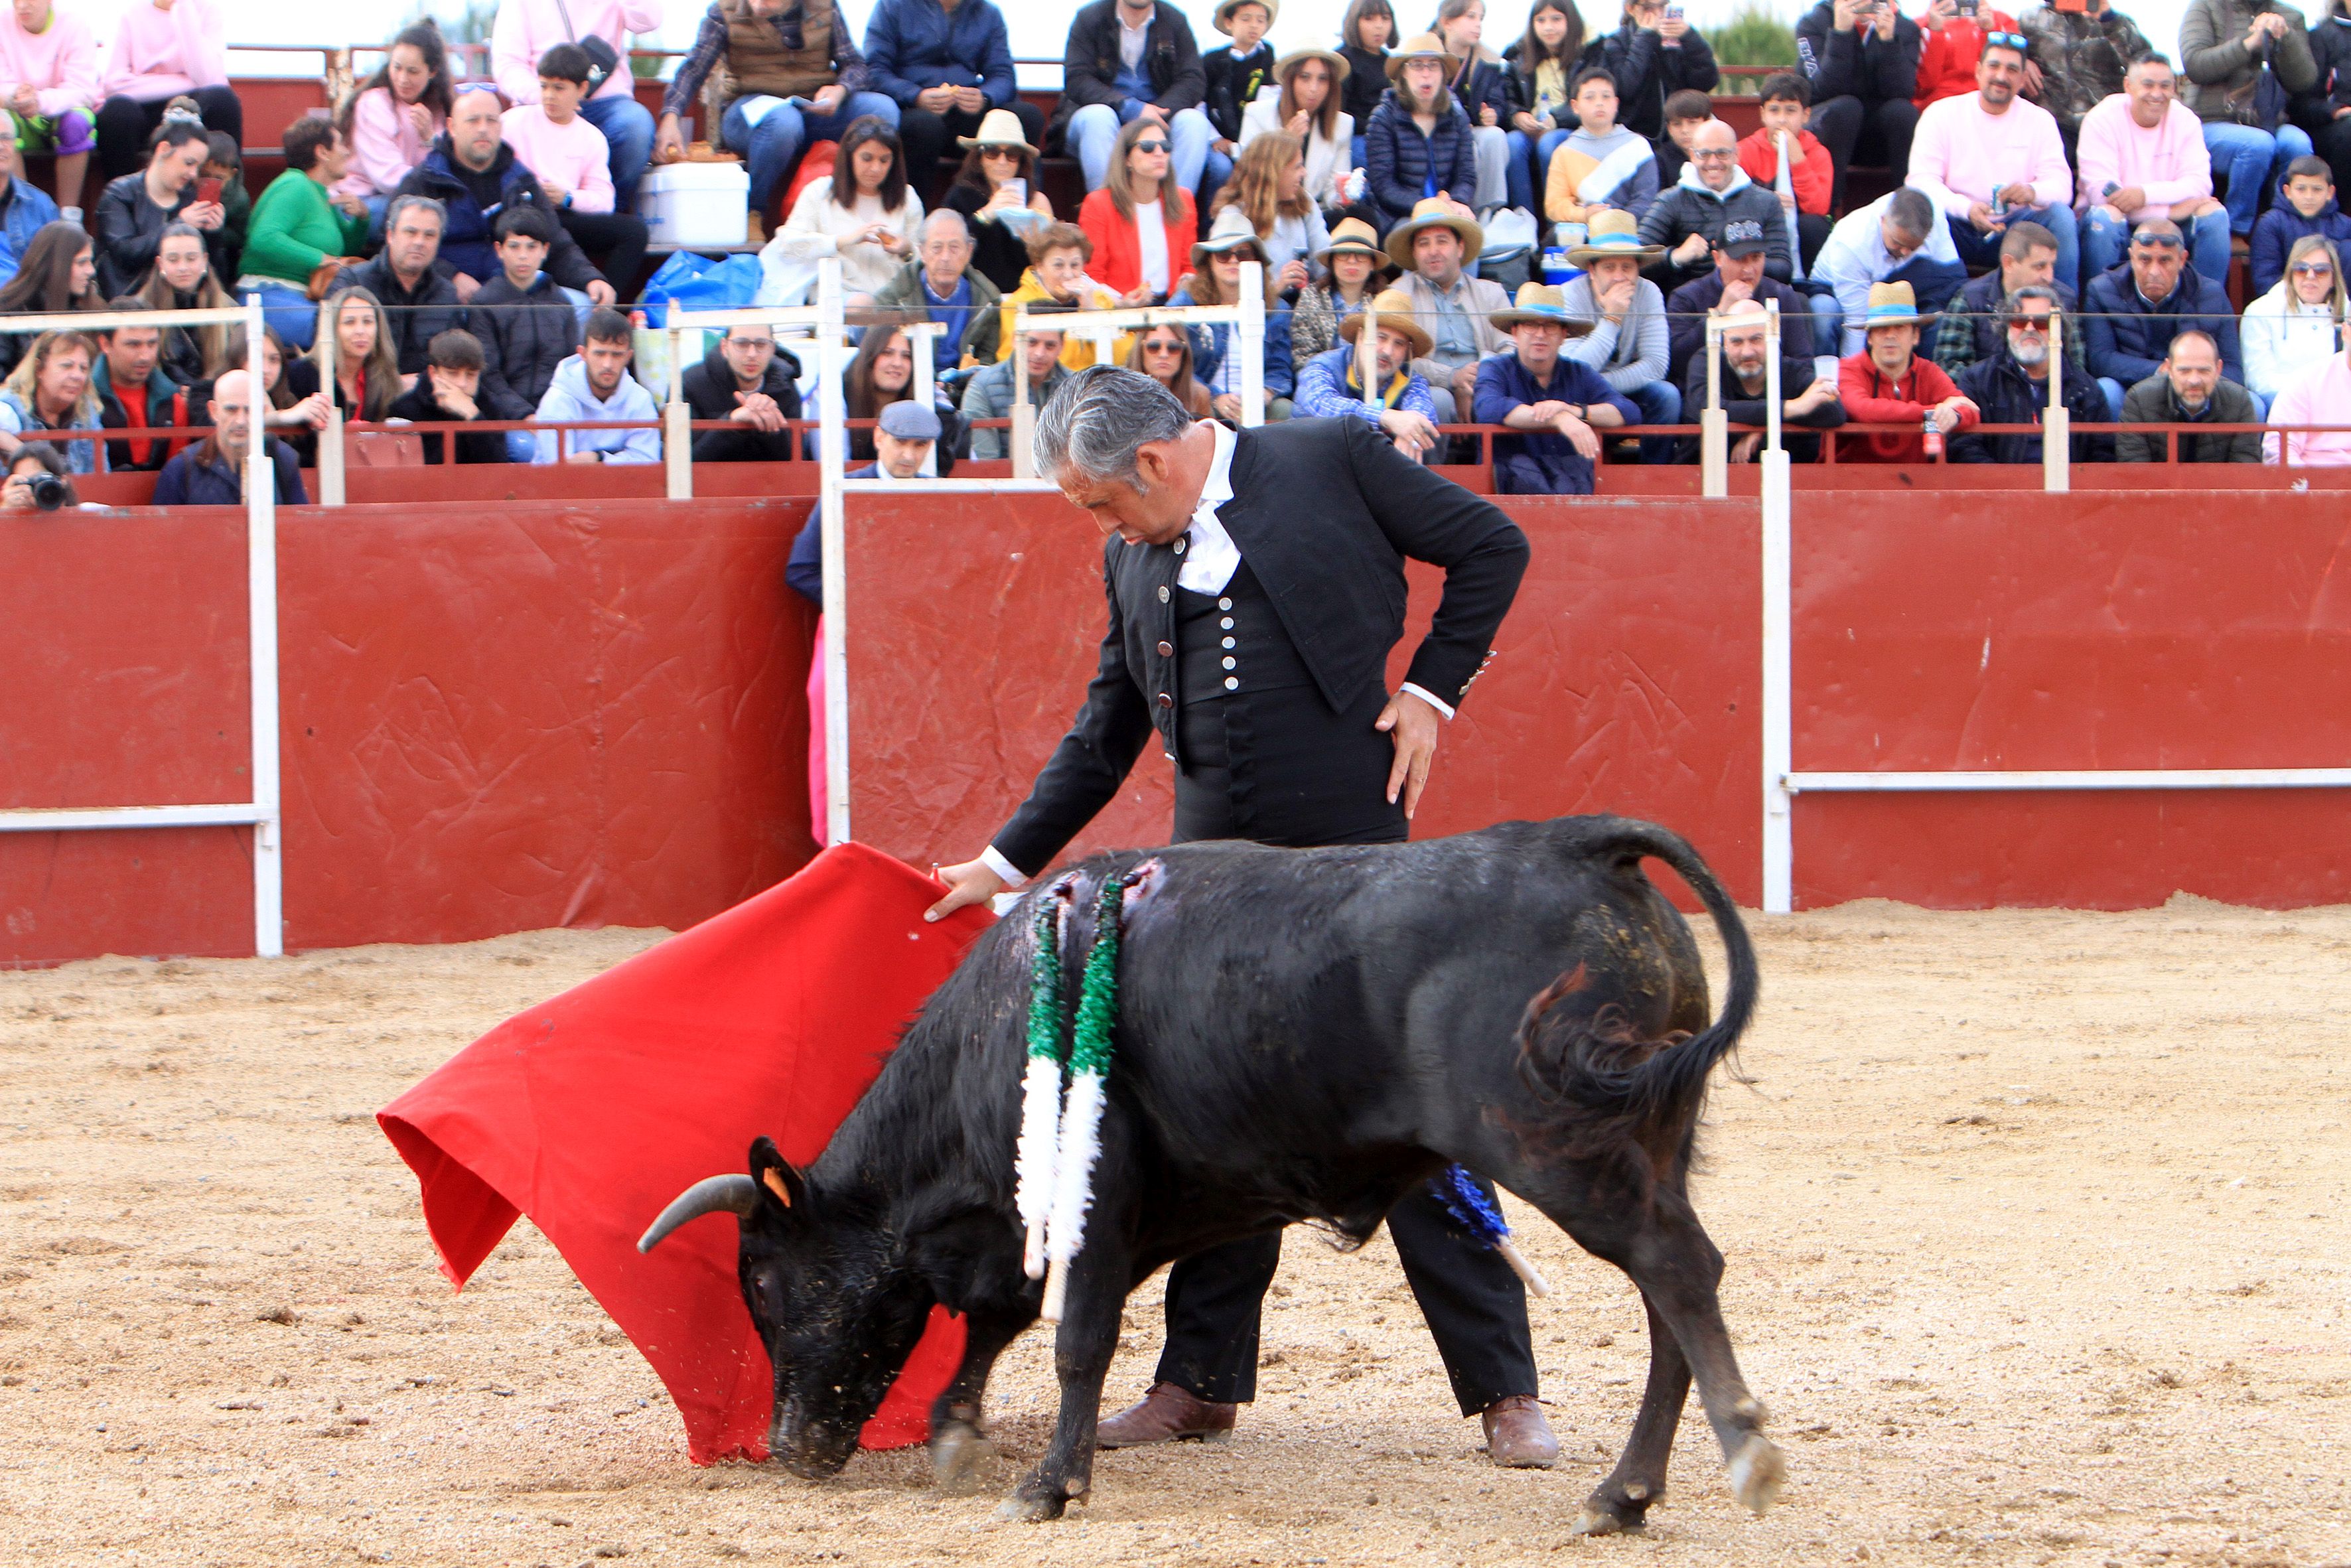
{"type": "Point", "coordinates": [2006, 395]}
{"type": "Point", "coordinates": [128, 230]}
{"type": "Point", "coordinates": [1483, 83]}
{"type": "Point", "coordinates": [167, 405]}
{"type": "Point", "coordinates": [466, 243]}
{"type": "Point", "coordinates": [418, 404]}
{"type": "Point", "coordinates": [1685, 309]}
{"type": "Point", "coordinates": [2152, 402]}
{"type": "Point", "coordinates": [418, 315]}
{"type": "Point", "coordinates": [1367, 79]}
{"type": "Point", "coordinates": [1840, 63]}
{"type": "Point", "coordinates": [1325, 511]}
{"type": "Point", "coordinates": [1795, 375]}
{"type": "Point", "coordinates": [1647, 72]}
{"type": "Point", "coordinates": [1232, 85]}
{"type": "Point", "coordinates": [1089, 66]}
{"type": "Point", "coordinates": [524, 335]}
{"type": "Point", "coordinates": [709, 389]}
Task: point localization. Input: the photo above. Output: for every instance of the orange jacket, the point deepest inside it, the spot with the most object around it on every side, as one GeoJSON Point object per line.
{"type": "Point", "coordinates": [1118, 252]}
{"type": "Point", "coordinates": [1759, 155]}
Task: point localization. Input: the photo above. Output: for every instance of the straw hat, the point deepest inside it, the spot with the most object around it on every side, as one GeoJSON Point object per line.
{"type": "Point", "coordinates": [1431, 212]}
{"type": "Point", "coordinates": [1894, 305]}
{"type": "Point", "coordinates": [1223, 20]}
{"type": "Point", "coordinates": [1420, 47]}
{"type": "Point", "coordinates": [1352, 236]}
{"type": "Point", "coordinates": [999, 128]}
{"type": "Point", "coordinates": [1394, 308]}
{"type": "Point", "coordinates": [1613, 233]}
{"type": "Point", "coordinates": [1542, 302]}
{"type": "Point", "coordinates": [1231, 230]}
{"type": "Point", "coordinates": [1297, 57]}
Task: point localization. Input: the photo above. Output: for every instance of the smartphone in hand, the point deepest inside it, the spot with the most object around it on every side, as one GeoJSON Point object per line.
{"type": "Point", "coordinates": [208, 190]}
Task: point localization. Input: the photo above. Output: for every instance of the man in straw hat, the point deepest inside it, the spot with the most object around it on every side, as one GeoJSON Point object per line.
{"type": "Point", "coordinates": [1888, 383]}
{"type": "Point", "coordinates": [1432, 246]}
{"type": "Point", "coordinates": [1560, 401]}
{"type": "Point", "coordinates": [1282, 730]}
{"type": "Point", "coordinates": [1129, 60]}
{"type": "Point", "coordinates": [1629, 344]}
{"type": "Point", "coordinates": [1745, 384]}
{"type": "Point", "coordinates": [1331, 386]}
{"type": "Point", "coordinates": [948, 68]}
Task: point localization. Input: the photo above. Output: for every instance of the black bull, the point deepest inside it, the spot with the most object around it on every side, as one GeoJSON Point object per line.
{"type": "Point", "coordinates": [1302, 1035]}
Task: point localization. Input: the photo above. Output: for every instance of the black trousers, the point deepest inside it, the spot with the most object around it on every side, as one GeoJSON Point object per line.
{"type": "Point", "coordinates": [125, 125]}
{"type": "Point", "coordinates": [615, 242]}
{"type": "Point", "coordinates": [1848, 127]}
{"type": "Point", "coordinates": [929, 137]}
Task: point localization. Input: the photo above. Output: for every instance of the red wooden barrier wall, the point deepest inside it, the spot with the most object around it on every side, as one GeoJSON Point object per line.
{"type": "Point", "coordinates": [494, 719]}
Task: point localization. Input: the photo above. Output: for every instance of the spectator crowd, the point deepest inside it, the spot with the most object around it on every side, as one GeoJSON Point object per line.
{"type": "Point", "coordinates": [1540, 235]}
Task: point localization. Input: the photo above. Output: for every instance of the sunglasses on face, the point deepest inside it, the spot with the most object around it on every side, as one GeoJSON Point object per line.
{"type": "Point", "coordinates": [1154, 145]}
{"type": "Point", "coordinates": [2313, 269]}
{"type": "Point", "coordinates": [1007, 153]}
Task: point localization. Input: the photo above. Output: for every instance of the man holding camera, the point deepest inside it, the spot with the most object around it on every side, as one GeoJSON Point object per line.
{"type": "Point", "coordinates": [1861, 59]}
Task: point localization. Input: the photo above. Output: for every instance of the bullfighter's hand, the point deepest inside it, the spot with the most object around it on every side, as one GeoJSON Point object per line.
{"type": "Point", "coordinates": [1412, 722]}
{"type": "Point", "coordinates": [970, 882]}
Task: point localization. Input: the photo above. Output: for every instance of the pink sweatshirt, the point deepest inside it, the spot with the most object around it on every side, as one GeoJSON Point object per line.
{"type": "Point", "coordinates": [2322, 397]}
{"type": "Point", "coordinates": [161, 54]}
{"type": "Point", "coordinates": [574, 156]}
{"type": "Point", "coordinates": [60, 62]}
{"type": "Point", "coordinates": [1961, 155]}
{"type": "Point", "coordinates": [384, 145]}
{"type": "Point", "coordinates": [2168, 162]}
{"type": "Point", "coordinates": [526, 29]}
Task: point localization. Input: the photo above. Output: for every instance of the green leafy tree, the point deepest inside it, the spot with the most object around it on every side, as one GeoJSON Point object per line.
{"type": "Point", "coordinates": [1755, 35]}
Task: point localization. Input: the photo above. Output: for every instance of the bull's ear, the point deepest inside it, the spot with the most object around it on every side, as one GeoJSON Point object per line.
{"type": "Point", "coordinates": [779, 1184]}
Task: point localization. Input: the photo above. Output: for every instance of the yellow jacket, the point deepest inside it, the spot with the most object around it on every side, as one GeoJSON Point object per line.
{"type": "Point", "coordinates": [1076, 353]}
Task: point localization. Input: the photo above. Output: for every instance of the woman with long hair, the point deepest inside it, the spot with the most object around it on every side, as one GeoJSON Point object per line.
{"type": "Point", "coordinates": [50, 389]}
{"type": "Point", "coordinates": [996, 191]}
{"type": "Point", "coordinates": [1165, 354]}
{"type": "Point", "coordinates": [367, 365]}
{"type": "Point", "coordinates": [1482, 88]}
{"type": "Point", "coordinates": [1418, 136]}
{"type": "Point", "coordinates": [390, 118]}
{"type": "Point", "coordinates": [1269, 188]}
{"type": "Point", "coordinates": [1653, 56]}
{"type": "Point", "coordinates": [1303, 102]}
{"type": "Point", "coordinates": [864, 212]}
{"type": "Point", "coordinates": [295, 420]}
{"type": "Point", "coordinates": [1352, 265]}
{"type": "Point", "coordinates": [1217, 280]}
{"type": "Point", "coordinates": [2298, 325]}
{"type": "Point", "coordinates": [1541, 69]}
{"type": "Point", "coordinates": [183, 279]}
{"type": "Point", "coordinates": [1142, 223]}
{"type": "Point", "coordinates": [882, 374]}
{"type": "Point", "coordinates": [1365, 34]}
{"type": "Point", "coordinates": [57, 273]}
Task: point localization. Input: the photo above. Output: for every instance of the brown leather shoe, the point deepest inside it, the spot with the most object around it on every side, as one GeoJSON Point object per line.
{"type": "Point", "coordinates": [1517, 1435]}
{"type": "Point", "coordinates": [1171, 1415]}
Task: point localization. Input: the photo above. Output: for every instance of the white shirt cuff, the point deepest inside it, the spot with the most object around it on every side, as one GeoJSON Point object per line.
{"type": "Point", "coordinates": [1006, 869]}
{"type": "Point", "coordinates": [1431, 698]}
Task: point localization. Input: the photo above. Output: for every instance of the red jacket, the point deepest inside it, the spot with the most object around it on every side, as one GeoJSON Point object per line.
{"type": "Point", "coordinates": [1117, 264]}
{"type": "Point", "coordinates": [1947, 65]}
{"type": "Point", "coordinates": [1759, 155]}
{"type": "Point", "coordinates": [1870, 398]}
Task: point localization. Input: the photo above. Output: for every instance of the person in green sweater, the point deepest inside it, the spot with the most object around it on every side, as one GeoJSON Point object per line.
{"type": "Point", "coordinates": [297, 227]}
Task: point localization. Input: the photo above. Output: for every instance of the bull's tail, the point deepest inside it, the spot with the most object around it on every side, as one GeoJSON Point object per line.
{"type": "Point", "coordinates": [1592, 1057]}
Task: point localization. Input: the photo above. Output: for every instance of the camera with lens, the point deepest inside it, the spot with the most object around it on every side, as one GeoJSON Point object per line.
{"type": "Point", "coordinates": [49, 493]}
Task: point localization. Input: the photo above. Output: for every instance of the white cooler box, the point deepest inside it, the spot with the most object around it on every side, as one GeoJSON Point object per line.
{"type": "Point", "coordinates": [695, 203]}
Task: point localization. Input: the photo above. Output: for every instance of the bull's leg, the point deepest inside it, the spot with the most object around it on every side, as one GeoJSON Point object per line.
{"type": "Point", "coordinates": [958, 1443]}
{"type": "Point", "coordinates": [1622, 1502]}
{"type": "Point", "coordinates": [1099, 1276]}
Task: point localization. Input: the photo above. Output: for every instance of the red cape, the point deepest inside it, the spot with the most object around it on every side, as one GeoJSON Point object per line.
{"type": "Point", "coordinates": [591, 1112]}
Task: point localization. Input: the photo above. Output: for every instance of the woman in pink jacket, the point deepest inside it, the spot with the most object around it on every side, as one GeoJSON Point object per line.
{"type": "Point", "coordinates": [391, 121]}
{"type": "Point", "coordinates": [163, 49]}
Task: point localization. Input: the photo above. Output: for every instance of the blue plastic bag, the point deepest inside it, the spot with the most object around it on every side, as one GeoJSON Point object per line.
{"type": "Point", "coordinates": [691, 282]}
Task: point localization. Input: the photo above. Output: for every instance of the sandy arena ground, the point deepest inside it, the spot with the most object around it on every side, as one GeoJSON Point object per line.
{"type": "Point", "coordinates": [2035, 1228]}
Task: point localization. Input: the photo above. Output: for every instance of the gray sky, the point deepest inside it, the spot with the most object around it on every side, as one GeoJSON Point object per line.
{"type": "Point", "coordinates": [1036, 30]}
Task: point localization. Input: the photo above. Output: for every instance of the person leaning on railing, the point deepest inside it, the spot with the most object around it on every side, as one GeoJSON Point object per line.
{"type": "Point", "coordinates": [1889, 383]}
{"type": "Point", "coordinates": [450, 391]}
{"type": "Point", "coordinates": [595, 384]}
{"type": "Point", "coordinates": [367, 379]}
{"type": "Point", "coordinates": [212, 472]}
{"type": "Point", "coordinates": [1560, 403]}
{"type": "Point", "coordinates": [747, 381]}
{"type": "Point", "coordinates": [1807, 403]}
{"type": "Point", "coordinates": [2012, 387]}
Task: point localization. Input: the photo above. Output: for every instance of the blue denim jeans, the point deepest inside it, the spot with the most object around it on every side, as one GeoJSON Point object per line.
{"type": "Point", "coordinates": [1530, 166]}
{"type": "Point", "coordinates": [287, 310]}
{"type": "Point", "coordinates": [1978, 251]}
{"type": "Point", "coordinates": [1660, 403]}
{"type": "Point", "coordinates": [2208, 245]}
{"type": "Point", "coordinates": [628, 127]}
{"type": "Point", "coordinates": [2250, 159]}
{"type": "Point", "coordinates": [1093, 133]}
{"type": "Point", "coordinates": [773, 146]}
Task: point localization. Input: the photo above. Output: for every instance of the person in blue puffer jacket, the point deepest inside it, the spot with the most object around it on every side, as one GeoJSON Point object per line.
{"type": "Point", "coordinates": [1419, 143]}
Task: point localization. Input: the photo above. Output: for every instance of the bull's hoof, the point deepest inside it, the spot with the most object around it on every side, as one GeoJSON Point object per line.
{"type": "Point", "coordinates": [1614, 1510]}
{"type": "Point", "coordinates": [1032, 1505]}
{"type": "Point", "coordinates": [1757, 1472]}
{"type": "Point", "coordinates": [959, 1450]}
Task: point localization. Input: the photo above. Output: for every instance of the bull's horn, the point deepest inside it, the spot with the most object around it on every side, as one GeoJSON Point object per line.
{"type": "Point", "coordinates": [734, 1194]}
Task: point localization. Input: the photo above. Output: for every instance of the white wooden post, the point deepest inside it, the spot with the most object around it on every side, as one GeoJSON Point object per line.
{"type": "Point", "coordinates": [1021, 441]}
{"type": "Point", "coordinates": [261, 597]}
{"type": "Point", "coordinates": [918, 344]}
{"type": "Point", "coordinates": [1249, 342]}
{"type": "Point", "coordinates": [677, 425]}
{"type": "Point", "coordinates": [1779, 827]}
{"type": "Point", "coordinates": [330, 450]}
{"type": "Point", "coordinates": [832, 454]}
{"type": "Point", "coordinates": [2057, 424]}
{"type": "Point", "coordinates": [1714, 425]}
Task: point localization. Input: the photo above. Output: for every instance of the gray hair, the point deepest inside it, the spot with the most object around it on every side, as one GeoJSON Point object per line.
{"type": "Point", "coordinates": [1911, 213]}
{"type": "Point", "coordinates": [1100, 418]}
{"type": "Point", "coordinates": [420, 204]}
{"type": "Point", "coordinates": [939, 215]}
